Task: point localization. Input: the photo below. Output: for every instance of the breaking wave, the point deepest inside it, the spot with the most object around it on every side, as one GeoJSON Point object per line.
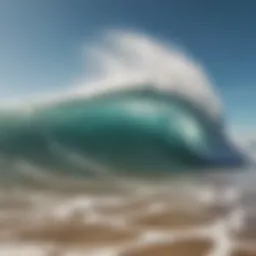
{"type": "Point", "coordinates": [145, 106]}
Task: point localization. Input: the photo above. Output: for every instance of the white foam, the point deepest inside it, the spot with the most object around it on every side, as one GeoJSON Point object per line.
{"type": "Point", "coordinates": [126, 59]}
{"type": "Point", "coordinates": [221, 230]}
{"type": "Point", "coordinates": [14, 249]}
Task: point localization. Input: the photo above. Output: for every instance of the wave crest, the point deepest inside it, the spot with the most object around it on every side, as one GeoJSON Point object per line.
{"type": "Point", "coordinates": [128, 59]}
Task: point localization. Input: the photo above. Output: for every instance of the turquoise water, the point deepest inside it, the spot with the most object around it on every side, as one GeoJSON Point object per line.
{"type": "Point", "coordinates": [131, 131]}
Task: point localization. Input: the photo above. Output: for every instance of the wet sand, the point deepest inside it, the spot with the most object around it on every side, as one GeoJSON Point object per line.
{"type": "Point", "coordinates": [137, 219]}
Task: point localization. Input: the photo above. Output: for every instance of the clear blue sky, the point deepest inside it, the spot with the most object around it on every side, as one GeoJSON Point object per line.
{"type": "Point", "coordinates": [41, 40]}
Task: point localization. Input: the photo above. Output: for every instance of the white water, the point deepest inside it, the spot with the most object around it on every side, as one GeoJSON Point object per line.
{"type": "Point", "coordinates": [127, 59]}
{"type": "Point", "coordinates": [102, 218]}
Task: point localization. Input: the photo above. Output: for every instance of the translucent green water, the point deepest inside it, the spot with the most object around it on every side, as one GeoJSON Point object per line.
{"type": "Point", "coordinates": [129, 131]}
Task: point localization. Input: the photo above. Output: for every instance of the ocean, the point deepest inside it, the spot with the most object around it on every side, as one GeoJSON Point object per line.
{"type": "Point", "coordinates": [134, 162]}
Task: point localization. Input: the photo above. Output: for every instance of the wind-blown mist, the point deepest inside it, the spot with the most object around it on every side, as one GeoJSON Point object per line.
{"type": "Point", "coordinates": [143, 106]}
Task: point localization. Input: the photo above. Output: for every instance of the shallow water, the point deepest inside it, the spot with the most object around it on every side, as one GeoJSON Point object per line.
{"type": "Point", "coordinates": [211, 215]}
